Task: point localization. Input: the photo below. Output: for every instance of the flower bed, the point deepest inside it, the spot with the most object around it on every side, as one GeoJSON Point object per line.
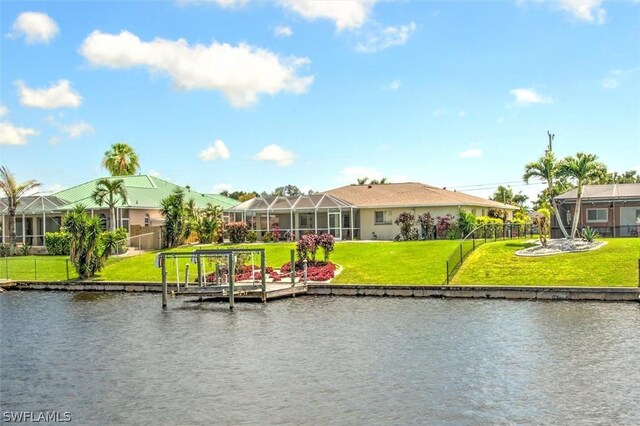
{"type": "Point", "coordinates": [316, 271]}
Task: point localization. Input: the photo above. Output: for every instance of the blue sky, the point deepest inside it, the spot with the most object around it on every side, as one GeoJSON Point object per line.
{"type": "Point", "coordinates": [247, 95]}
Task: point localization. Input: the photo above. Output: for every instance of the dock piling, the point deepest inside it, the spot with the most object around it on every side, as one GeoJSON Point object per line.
{"type": "Point", "coordinates": [293, 268]}
{"type": "Point", "coordinates": [164, 282]}
{"type": "Point", "coordinates": [231, 281]}
{"type": "Point", "coordinates": [263, 272]}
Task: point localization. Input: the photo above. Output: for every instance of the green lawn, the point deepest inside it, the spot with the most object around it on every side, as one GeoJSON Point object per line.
{"type": "Point", "coordinates": [418, 262]}
{"type": "Point", "coordinates": [40, 268]}
{"type": "Point", "coordinates": [614, 265]}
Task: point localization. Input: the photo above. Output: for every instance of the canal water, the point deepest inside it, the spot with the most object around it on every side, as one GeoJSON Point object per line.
{"type": "Point", "coordinates": [121, 359]}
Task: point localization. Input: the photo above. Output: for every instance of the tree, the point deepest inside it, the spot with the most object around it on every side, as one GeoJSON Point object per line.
{"type": "Point", "coordinates": [121, 160]}
{"type": "Point", "coordinates": [14, 191]}
{"type": "Point", "coordinates": [546, 170]}
{"type": "Point", "coordinates": [287, 191]}
{"type": "Point", "coordinates": [581, 169]}
{"type": "Point", "coordinates": [362, 181]}
{"type": "Point", "coordinates": [172, 208]}
{"type": "Point", "coordinates": [209, 221]}
{"type": "Point", "coordinates": [382, 181]}
{"type": "Point", "coordinates": [85, 250]}
{"type": "Point", "coordinates": [505, 195]}
{"type": "Point", "coordinates": [110, 192]}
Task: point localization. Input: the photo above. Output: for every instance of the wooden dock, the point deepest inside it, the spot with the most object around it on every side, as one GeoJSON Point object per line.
{"type": "Point", "coordinates": [242, 292]}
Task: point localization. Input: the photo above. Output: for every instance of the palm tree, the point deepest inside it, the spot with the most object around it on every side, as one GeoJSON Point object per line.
{"type": "Point", "coordinates": [581, 168]}
{"type": "Point", "coordinates": [121, 160]}
{"type": "Point", "coordinates": [362, 181]}
{"type": "Point", "coordinates": [110, 192]}
{"type": "Point", "coordinates": [546, 170]}
{"type": "Point", "coordinates": [14, 192]}
{"type": "Point", "coordinates": [84, 249]}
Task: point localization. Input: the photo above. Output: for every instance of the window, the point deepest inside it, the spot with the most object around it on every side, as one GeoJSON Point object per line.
{"type": "Point", "coordinates": [147, 219]}
{"type": "Point", "coordinates": [597, 215]}
{"type": "Point", "coordinates": [306, 220]}
{"type": "Point", "coordinates": [383, 217]}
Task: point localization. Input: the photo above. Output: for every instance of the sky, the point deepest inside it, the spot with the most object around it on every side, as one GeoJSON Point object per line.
{"type": "Point", "coordinates": [253, 95]}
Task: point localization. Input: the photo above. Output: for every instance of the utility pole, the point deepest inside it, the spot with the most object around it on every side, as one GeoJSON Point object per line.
{"type": "Point", "coordinates": [551, 137]}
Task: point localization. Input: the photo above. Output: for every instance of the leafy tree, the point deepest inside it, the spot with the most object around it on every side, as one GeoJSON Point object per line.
{"type": "Point", "coordinates": [121, 160]}
{"type": "Point", "coordinates": [209, 220]}
{"type": "Point", "coordinates": [605, 177]}
{"type": "Point", "coordinates": [546, 169]}
{"type": "Point", "coordinates": [580, 169]}
{"type": "Point", "coordinates": [466, 222]}
{"type": "Point", "coordinates": [13, 191]}
{"type": "Point", "coordinates": [505, 195]}
{"type": "Point", "coordinates": [172, 208]}
{"type": "Point", "coordinates": [287, 191]}
{"type": "Point", "coordinates": [247, 196]}
{"type": "Point", "coordinates": [382, 181]}
{"type": "Point", "coordinates": [110, 192]}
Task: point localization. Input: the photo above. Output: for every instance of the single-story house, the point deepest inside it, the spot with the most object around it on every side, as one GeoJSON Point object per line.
{"type": "Point", "coordinates": [140, 213]}
{"type": "Point", "coordinates": [613, 210]}
{"type": "Point", "coordinates": [363, 212]}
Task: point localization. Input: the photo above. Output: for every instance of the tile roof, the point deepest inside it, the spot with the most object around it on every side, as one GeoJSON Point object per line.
{"type": "Point", "coordinates": [409, 194]}
{"type": "Point", "coordinates": [606, 192]}
{"type": "Point", "coordinates": [143, 191]}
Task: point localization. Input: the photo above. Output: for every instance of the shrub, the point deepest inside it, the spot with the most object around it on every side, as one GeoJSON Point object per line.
{"type": "Point", "coordinates": [307, 247]}
{"type": "Point", "coordinates": [252, 237]}
{"type": "Point", "coordinates": [406, 221]}
{"type": "Point", "coordinates": [327, 244]}
{"type": "Point", "coordinates": [492, 224]}
{"type": "Point", "coordinates": [238, 232]}
{"type": "Point", "coordinates": [57, 243]}
{"type": "Point", "coordinates": [275, 232]}
{"type": "Point", "coordinates": [443, 225]}
{"type": "Point", "coordinates": [427, 223]}
{"type": "Point", "coordinates": [466, 222]}
{"type": "Point", "coordinates": [543, 222]}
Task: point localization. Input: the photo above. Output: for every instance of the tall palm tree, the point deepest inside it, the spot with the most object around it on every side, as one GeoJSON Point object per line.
{"type": "Point", "coordinates": [362, 181]}
{"type": "Point", "coordinates": [14, 191]}
{"type": "Point", "coordinates": [110, 192]}
{"type": "Point", "coordinates": [581, 168]}
{"type": "Point", "coordinates": [121, 160]}
{"type": "Point", "coordinates": [546, 170]}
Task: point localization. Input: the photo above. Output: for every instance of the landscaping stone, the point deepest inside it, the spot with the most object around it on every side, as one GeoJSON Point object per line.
{"type": "Point", "coordinates": [559, 246]}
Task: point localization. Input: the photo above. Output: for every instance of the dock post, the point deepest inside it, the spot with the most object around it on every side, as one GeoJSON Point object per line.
{"type": "Point", "coordinates": [304, 262]}
{"type": "Point", "coordinates": [186, 276]}
{"type": "Point", "coordinates": [293, 268]}
{"type": "Point", "coordinates": [231, 281]}
{"type": "Point", "coordinates": [263, 272]}
{"type": "Point", "coordinates": [67, 262]}
{"type": "Point", "coordinates": [164, 283]}
{"type": "Point", "coordinates": [218, 274]}
{"type": "Point", "coordinates": [199, 262]}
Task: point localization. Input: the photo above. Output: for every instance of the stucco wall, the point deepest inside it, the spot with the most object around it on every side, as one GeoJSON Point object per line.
{"type": "Point", "coordinates": [136, 216]}
{"type": "Point", "coordinates": [389, 231]}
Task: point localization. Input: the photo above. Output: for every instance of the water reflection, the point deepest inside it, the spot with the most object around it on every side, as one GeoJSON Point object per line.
{"type": "Point", "coordinates": [122, 359]}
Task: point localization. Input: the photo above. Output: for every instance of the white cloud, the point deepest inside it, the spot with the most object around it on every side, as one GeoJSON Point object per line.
{"type": "Point", "coordinates": [461, 113]}
{"type": "Point", "coordinates": [154, 173]}
{"type": "Point", "coordinates": [222, 187]}
{"type": "Point", "coordinates": [54, 140]}
{"type": "Point", "coordinates": [3, 110]}
{"type": "Point", "coordinates": [282, 31]}
{"type": "Point", "coordinates": [240, 72]}
{"type": "Point", "coordinates": [470, 153]}
{"type": "Point", "coordinates": [394, 85]}
{"type": "Point", "coordinates": [344, 14]}
{"type": "Point", "coordinates": [35, 27]}
{"type": "Point", "coordinates": [76, 130]}
{"type": "Point", "coordinates": [214, 151]}
{"type": "Point", "coordinates": [526, 97]}
{"type": "Point", "coordinates": [276, 154]}
{"type": "Point", "coordinates": [439, 112]}
{"type": "Point", "coordinates": [585, 10]}
{"type": "Point", "coordinates": [383, 38]}
{"type": "Point", "coordinates": [11, 135]}
{"type": "Point", "coordinates": [59, 95]}
{"type": "Point", "coordinates": [616, 78]}
{"type": "Point", "coordinates": [225, 4]}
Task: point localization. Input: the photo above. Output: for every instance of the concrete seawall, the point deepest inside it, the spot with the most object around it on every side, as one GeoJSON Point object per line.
{"type": "Point", "coordinates": [605, 294]}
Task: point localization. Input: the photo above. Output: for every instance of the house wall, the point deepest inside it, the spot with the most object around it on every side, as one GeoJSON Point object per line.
{"type": "Point", "coordinates": [136, 216]}
{"type": "Point", "coordinates": [370, 230]}
{"type": "Point", "coordinates": [620, 218]}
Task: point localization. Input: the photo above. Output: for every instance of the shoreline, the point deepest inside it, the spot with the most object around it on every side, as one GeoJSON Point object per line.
{"type": "Point", "coordinates": [543, 293]}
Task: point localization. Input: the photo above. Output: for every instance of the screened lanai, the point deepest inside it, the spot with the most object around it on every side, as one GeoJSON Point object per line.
{"type": "Point", "coordinates": [298, 215]}
{"type": "Point", "coordinates": [35, 216]}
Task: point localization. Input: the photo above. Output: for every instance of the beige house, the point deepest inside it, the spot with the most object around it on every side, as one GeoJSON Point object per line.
{"type": "Point", "coordinates": [364, 212]}
{"type": "Point", "coordinates": [380, 205]}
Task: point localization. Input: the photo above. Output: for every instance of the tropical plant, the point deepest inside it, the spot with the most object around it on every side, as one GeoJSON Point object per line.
{"type": "Point", "coordinates": [466, 222]}
{"type": "Point", "coordinates": [172, 208]}
{"type": "Point", "coordinates": [406, 221]}
{"type": "Point", "coordinates": [238, 232]}
{"type": "Point", "coordinates": [543, 223]}
{"type": "Point", "coordinates": [13, 191]}
{"type": "Point", "coordinates": [208, 222]}
{"type": "Point", "coordinates": [427, 223]}
{"type": "Point", "coordinates": [84, 249]}
{"type": "Point", "coordinates": [546, 169]}
{"type": "Point", "coordinates": [307, 246]}
{"type": "Point", "coordinates": [444, 226]}
{"type": "Point", "coordinates": [362, 181]}
{"type": "Point", "coordinates": [110, 192]}
{"type": "Point", "coordinates": [121, 160]}
{"type": "Point", "coordinates": [580, 168]}
{"type": "Point", "coordinates": [57, 243]}
{"type": "Point", "coordinates": [589, 234]}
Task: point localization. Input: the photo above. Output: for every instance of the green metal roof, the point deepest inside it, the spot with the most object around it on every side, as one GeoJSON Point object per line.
{"type": "Point", "coordinates": [143, 191]}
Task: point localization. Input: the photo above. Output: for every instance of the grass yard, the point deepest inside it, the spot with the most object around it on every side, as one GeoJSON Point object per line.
{"type": "Point", "coordinates": [417, 262]}
{"type": "Point", "coordinates": [614, 265]}
{"type": "Point", "coordinates": [36, 268]}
